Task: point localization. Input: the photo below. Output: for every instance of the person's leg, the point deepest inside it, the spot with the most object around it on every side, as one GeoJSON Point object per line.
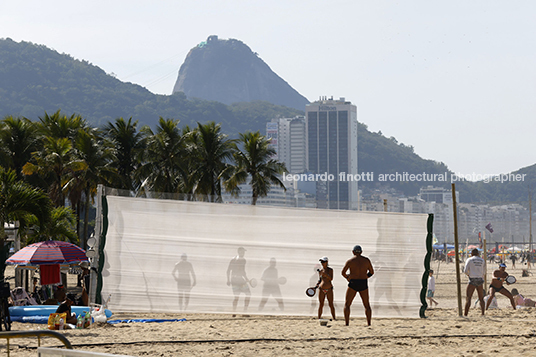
{"type": "Point", "coordinates": [235, 301]}
{"type": "Point", "coordinates": [480, 292]}
{"type": "Point", "coordinates": [181, 299]}
{"type": "Point", "coordinates": [85, 297]}
{"type": "Point", "coordinates": [186, 299]}
{"type": "Point", "coordinates": [321, 298]}
{"type": "Point", "coordinates": [246, 301]}
{"type": "Point", "coordinates": [350, 295]}
{"type": "Point", "coordinates": [530, 302]}
{"type": "Point", "coordinates": [468, 296]}
{"type": "Point", "coordinates": [331, 305]}
{"type": "Point", "coordinates": [280, 303]}
{"type": "Point", "coordinates": [509, 296]}
{"type": "Point", "coordinates": [490, 297]}
{"type": "Point", "coordinates": [262, 303]}
{"type": "Point", "coordinates": [368, 311]}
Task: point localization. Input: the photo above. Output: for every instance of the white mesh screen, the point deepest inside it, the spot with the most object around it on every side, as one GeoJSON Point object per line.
{"type": "Point", "coordinates": [146, 238]}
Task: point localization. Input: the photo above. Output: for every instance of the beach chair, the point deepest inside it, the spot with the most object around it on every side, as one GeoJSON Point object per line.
{"type": "Point", "coordinates": [21, 298]}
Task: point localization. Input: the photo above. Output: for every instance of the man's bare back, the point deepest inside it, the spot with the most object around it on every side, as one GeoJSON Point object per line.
{"type": "Point", "coordinates": [359, 267]}
{"type": "Point", "coordinates": [360, 271]}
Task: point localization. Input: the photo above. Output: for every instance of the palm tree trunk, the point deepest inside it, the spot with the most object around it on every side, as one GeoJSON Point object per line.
{"type": "Point", "coordinates": [78, 230]}
{"type": "Point", "coordinates": [86, 217]}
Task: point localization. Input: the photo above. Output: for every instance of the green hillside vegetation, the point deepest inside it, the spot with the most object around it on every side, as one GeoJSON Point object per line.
{"type": "Point", "coordinates": [35, 79]}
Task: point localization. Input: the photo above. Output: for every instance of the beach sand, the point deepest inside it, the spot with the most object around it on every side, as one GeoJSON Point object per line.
{"type": "Point", "coordinates": [502, 331]}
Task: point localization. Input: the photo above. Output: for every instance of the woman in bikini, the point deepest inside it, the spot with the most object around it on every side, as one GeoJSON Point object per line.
{"type": "Point", "coordinates": [325, 287]}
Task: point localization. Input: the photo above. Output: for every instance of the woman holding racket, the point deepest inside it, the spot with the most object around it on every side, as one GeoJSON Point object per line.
{"type": "Point", "coordinates": [499, 277]}
{"type": "Point", "coordinates": [325, 287]}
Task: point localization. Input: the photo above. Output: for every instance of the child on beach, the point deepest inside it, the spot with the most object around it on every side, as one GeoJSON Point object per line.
{"type": "Point", "coordinates": [431, 289]}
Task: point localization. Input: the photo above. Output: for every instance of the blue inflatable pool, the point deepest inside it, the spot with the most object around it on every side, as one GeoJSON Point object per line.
{"type": "Point", "coordinates": [46, 310]}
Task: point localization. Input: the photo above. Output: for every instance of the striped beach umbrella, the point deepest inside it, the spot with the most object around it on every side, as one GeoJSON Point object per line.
{"type": "Point", "coordinates": [47, 253]}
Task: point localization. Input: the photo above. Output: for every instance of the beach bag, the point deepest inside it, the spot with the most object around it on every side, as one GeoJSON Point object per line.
{"type": "Point", "coordinates": [53, 317]}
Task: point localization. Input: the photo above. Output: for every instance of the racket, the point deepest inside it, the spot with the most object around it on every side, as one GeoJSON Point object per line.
{"type": "Point", "coordinates": [510, 279]}
{"type": "Point", "coordinates": [310, 292]}
{"type": "Point", "coordinates": [282, 280]}
{"type": "Point", "coordinates": [253, 282]}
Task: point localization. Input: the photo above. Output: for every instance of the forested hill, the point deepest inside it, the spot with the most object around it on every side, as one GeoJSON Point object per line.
{"type": "Point", "coordinates": [35, 79]}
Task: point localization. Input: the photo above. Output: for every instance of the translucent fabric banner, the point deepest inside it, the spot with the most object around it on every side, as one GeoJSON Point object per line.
{"type": "Point", "coordinates": [173, 256]}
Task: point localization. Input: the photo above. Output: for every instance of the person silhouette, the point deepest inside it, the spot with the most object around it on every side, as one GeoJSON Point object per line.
{"type": "Point", "coordinates": [185, 277]}
{"type": "Point", "coordinates": [271, 286]}
{"type": "Point", "coordinates": [237, 278]}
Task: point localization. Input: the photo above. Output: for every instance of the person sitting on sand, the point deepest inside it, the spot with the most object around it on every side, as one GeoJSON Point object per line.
{"type": "Point", "coordinates": [520, 300]}
{"type": "Point", "coordinates": [499, 276]}
{"type": "Point", "coordinates": [65, 306]}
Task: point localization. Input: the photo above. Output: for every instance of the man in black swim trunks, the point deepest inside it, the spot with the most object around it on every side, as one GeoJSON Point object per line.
{"type": "Point", "coordinates": [496, 286]}
{"type": "Point", "coordinates": [360, 270]}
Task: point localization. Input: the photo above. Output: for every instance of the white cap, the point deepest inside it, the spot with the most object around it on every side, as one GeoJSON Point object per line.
{"type": "Point", "coordinates": [323, 259]}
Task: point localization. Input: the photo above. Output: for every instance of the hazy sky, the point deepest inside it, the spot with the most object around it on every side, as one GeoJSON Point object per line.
{"type": "Point", "coordinates": [454, 79]}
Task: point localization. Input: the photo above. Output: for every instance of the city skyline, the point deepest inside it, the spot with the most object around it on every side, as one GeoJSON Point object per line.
{"type": "Point", "coordinates": [440, 77]}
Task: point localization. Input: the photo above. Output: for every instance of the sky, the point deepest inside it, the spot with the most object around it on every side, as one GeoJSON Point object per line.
{"type": "Point", "coordinates": [454, 79]}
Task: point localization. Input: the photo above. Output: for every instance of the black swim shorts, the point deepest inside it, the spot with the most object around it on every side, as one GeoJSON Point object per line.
{"type": "Point", "coordinates": [358, 284]}
{"type": "Point", "coordinates": [496, 288]}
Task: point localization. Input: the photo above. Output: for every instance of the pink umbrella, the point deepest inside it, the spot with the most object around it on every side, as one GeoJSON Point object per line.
{"type": "Point", "coordinates": [48, 253]}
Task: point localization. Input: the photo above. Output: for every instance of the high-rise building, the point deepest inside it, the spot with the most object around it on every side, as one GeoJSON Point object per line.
{"type": "Point", "coordinates": [288, 139]}
{"type": "Point", "coordinates": [331, 132]}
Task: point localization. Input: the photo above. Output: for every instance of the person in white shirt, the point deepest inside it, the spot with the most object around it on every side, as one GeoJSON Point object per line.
{"type": "Point", "coordinates": [431, 288]}
{"type": "Point", "coordinates": [475, 270]}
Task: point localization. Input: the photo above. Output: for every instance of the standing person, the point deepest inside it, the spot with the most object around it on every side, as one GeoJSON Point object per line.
{"type": "Point", "coordinates": [325, 287]}
{"type": "Point", "coordinates": [181, 273]}
{"type": "Point", "coordinates": [431, 288]}
{"type": "Point", "coordinates": [271, 280]}
{"type": "Point", "coordinates": [496, 286]}
{"type": "Point", "coordinates": [475, 270]}
{"type": "Point", "coordinates": [513, 258]}
{"type": "Point", "coordinates": [237, 278]}
{"type": "Point", "coordinates": [360, 270]}
{"type": "Point", "coordinates": [85, 280]}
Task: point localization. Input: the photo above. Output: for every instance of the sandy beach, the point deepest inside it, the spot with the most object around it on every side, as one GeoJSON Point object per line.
{"type": "Point", "coordinates": [502, 331]}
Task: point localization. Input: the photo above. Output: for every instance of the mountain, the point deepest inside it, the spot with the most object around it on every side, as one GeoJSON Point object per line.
{"type": "Point", "coordinates": [35, 79]}
{"type": "Point", "coordinates": [228, 71]}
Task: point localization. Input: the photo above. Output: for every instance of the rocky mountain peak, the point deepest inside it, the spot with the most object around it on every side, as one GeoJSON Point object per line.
{"type": "Point", "coordinates": [228, 71]}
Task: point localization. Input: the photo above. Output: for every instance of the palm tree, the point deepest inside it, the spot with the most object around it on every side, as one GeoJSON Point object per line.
{"type": "Point", "coordinates": [163, 157]}
{"type": "Point", "coordinates": [53, 163]}
{"type": "Point", "coordinates": [56, 158]}
{"type": "Point", "coordinates": [128, 148]}
{"type": "Point", "coordinates": [97, 157]}
{"type": "Point", "coordinates": [17, 200]}
{"type": "Point", "coordinates": [59, 125]}
{"type": "Point", "coordinates": [256, 161]}
{"type": "Point", "coordinates": [212, 153]}
{"type": "Point", "coordinates": [61, 226]}
{"type": "Point", "coordinates": [18, 139]}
